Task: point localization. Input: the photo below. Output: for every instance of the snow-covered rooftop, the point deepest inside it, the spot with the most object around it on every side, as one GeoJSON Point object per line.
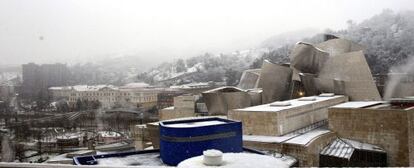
{"type": "Point", "coordinates": [225, 89]}
{"type": "Point", "coordinates": [293, 103]}
{"type": "Point", "coordinates": [56, 88]}
{"type": "Point", "coordinates": [188, 118]}
{"type": "Point", "coordinates": [357, 104]}
{"type": "Point", "coordinates": [109, 134]}
{"type": "Point", "coordinates": [301, 136]}
{"type": "Point", "coordinates": [195, 124]}
{"type": "Point", "coordinates": [307, 137]}
{"type": "Point", "coordinates": [93, 87]}
{"type": "Point", "coordinates": [150, 159]}
{"type": "Point", "coordinates": [69, 136]}
{"type": "Point", "coordinates": [192, 85]}
{"type": "Point", "coordinates": [338, 148]}
{"type": "Point", "coordinates": [169, 108]}
{"type": "Point", "coordinates": [363, 146]}
{"type": "Point", "coordinates": [344, 148]}
{"type": "Point", "coordinates": [81, 88]}
{"type": "Point", "coordinates": [237, 160]}
{"type": "Point", "coordinates": [135, 85]}
{"type": "Point", "coordinates": [268, 139]}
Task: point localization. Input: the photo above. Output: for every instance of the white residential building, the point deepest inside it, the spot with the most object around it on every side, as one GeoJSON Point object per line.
{"type": "Point", "coordinates": [137, 94]}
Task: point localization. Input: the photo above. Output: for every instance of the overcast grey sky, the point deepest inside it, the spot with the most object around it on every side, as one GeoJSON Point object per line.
{"type": "Point", "coordinates": [48, 31]}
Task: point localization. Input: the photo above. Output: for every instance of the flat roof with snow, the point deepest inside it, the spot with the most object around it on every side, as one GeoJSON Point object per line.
{"type": "Point", "coordinates": [300, 137]}
{"type": "Point", "coordinates": [195, 124]}
{"type": "Point", "coordinates": [169, 108]}
{"type": "Point", "coordinates": [307, 137]}
{"type": "Point", "coordinates": [357, 104]}
{"type": "Point", "coordinates": [293, 104]}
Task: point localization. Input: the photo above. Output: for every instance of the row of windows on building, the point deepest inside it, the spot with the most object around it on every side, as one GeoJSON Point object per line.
{"type": "Point", "coordinates": [134, 99]}
{"type": "Point", "coordinates": [104, 94]}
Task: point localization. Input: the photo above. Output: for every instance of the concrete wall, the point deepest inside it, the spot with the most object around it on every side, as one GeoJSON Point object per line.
{"type": "Point", "coordinates": [154, 133]}
{"type": "Point", "coordinates": [270, 146]}
{"type": "Point", "coordinates": [184, 106]}
{"type": "Point", "coordinates": [140, 135]}
{"type": "Point", "coordinates": [172, 113]}
{"type": "Point", "coordinates": [184, 102]}
{"type": "Point", "coordinates": [302, 116]}
{"type": "Point", "coordinates": [388, 129]}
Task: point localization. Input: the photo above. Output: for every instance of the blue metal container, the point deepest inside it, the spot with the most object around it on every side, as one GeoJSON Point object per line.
{"type": "Point", "coordinates": [183, 139]}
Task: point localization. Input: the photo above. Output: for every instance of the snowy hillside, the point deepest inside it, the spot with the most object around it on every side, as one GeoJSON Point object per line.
{"type": "Point", "coordinates": [203, 68]}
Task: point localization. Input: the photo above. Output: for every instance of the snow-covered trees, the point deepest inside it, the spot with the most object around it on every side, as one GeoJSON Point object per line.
{"type": "Point", "coordinates": [388, 38]}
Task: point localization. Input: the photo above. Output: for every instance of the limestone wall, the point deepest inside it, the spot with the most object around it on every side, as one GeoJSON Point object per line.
{"type": "Point", "coordinates": [154, 133]}
{"type": "Point", "coordinates": [184, 102]}
{"type": "Point", "coordinates": [184, 106]}
{"type": "Point", "coordinates": [269, 146]}
{"type": "Point", "coordinates": [307, 155]}
{"type": "Point", "coordinates": [172, 113]}
{"type": "Point", "coordinates": [385, 128]}
{"type": "Point", "coordinates": [281, 122]}
{"type": "Point", "coordinates": [256, 123]}
{"type": "Point", "coordinates": [299, 117]}
{"type": "Point", "coordinates": [411, 136]}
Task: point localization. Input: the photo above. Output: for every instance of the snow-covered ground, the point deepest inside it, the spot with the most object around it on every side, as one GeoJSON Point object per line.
{"type": "Point", "coordinates": [237, 160]}
{"type": "Point", "coordinates": [241, 59]}
{"type": "Point", "coordinates": [133, 160]}
{"type": "Point", "coordinates": [106, 134]}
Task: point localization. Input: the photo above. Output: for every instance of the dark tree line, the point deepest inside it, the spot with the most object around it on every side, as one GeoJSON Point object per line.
{"type": "Point", "coordinates": [86, 104]}
{"type": "Point", "coordinates": [80, 105]}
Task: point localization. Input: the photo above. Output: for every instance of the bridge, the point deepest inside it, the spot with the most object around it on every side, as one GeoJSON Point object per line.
{"type": "Point", "coordinates": [70, 116]}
